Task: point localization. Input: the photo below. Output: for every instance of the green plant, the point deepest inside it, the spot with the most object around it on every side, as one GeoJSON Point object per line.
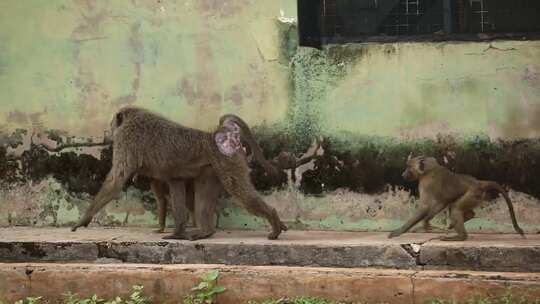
{"type": "Point", "coordinates": [74, 299]}
{"type": "Point", "coordinates": [301, 300]}
{"type": "Point", "coordinates": [206, 290]}
{"type": "Point", "coordinates": [136, 297]}
{"type": "Point", "coordinates": [29, 300]}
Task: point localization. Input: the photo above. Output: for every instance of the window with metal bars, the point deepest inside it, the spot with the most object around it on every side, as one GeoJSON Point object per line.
{"type": "Point", "coordinates": [335, 21]}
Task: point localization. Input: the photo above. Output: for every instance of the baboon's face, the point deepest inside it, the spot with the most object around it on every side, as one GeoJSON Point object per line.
{"type": "Point", "coordinates": [415, 168]}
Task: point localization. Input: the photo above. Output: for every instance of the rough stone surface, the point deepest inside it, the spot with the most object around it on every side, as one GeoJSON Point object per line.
{"type": "Point", "coordinates": [169, 283]}
{"type": "Point", "coordinates": [461, 286]}
{"type": "Point", "coordinates": [481, 252]}
{"type": "Point", "coordinates": [351, 285]}
{"type": "Point", "coordinates": [294, 248]}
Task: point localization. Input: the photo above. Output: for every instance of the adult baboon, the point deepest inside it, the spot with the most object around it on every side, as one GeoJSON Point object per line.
{"type": "Point", "coordinates": [151, 145]}
{"type": "Point", "coordinates": [440, 188]}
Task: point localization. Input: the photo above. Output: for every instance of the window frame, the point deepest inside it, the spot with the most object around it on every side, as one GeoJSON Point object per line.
{"type": "Point", "coordinates": [448, 35]}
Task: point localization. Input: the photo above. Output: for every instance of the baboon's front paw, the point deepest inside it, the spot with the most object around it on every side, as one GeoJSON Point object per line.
{"type": "Point", "coordinates": [283, 227]}
{"type": "Point", "coordinates": [183, 236]}
{"type": "Point", "coordinates": [81, 223]}
{"type": "Point", "coordinates": [394, 234]}
{"type": "Point", "coordinates": [160, 230]}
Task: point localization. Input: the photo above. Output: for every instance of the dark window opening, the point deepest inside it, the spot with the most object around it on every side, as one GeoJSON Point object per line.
{"type": "Point", "coordinates": [335, 21]}
{"type": "Point", "coordinates": [413, 17]}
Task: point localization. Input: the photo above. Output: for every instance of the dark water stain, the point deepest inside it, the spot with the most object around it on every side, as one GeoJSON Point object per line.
{"type": "Point", "coordinates": [79, 173]}
{"type": "Point", "coordinates": [56, 135]}
{"type": "Point", "coordinates": [359, 171]}
{"type": "Point", "coordinates": [272, 139]}
{"type": "Point", "coordinates": [376, 165]}
{"type": "Point", "coordinates": [14, 139]}
{"type": "Point", "coordinates": [371, 165]}
{"type": "Point", "coordinates": [8, 168]}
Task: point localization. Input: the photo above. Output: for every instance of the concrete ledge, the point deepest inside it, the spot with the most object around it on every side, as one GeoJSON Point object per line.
{"type": "Point", "coordinates": [294, 248]}
{"type": "Point", "coordinates": [168, 283]}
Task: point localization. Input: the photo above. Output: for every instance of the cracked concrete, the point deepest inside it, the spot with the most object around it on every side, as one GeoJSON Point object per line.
{"type": "Point", "coordinates": [416, 251]}
{"type": "Point", "coordinates": [168, 283]}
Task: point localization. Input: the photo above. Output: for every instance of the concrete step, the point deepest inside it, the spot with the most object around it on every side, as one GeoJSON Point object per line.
{"type": "Point", "coordinates": [168, 283]}
{"type": "Point", "coordinates": [418, 251]}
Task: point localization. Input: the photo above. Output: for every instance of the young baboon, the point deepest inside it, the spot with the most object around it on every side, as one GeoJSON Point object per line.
{"type": "Point", "coordinates": [161, 191]}
{"type": "Point", "coordinates": [440, 188]}
{"type": "Point", "coordinates": [206, 189]}
{"type": "Point", "coordinates": [148, 144]}
{"type": "Point", "coordinates": [212, 189]}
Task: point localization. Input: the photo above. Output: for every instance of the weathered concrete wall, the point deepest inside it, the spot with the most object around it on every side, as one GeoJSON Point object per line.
{"type": "Point", "coordinates": [67, 65]}
{"type": "Point", "coordinates": [169, 283]}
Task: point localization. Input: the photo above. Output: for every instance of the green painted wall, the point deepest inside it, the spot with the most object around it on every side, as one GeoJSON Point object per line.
{"type": "Point", "coordinates": [65, 66]}
{"type": "Point", "coordinates": [68, 64]}
{"type": "Point", "coordinates": [422, 89]}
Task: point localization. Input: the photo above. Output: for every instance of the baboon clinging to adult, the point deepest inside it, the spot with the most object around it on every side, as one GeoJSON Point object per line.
{"type": "Point", "coordinates": [202, 193]}
{"type": "Point", "coordinates": [148, 144]}
{"type": "Point", "coordinates": [440, 188]}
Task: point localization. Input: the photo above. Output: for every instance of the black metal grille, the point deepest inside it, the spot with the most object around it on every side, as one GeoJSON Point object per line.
{"type": "Point", "coordinates": [412, 17]}
{"type": "Point", "coordinates": [495, 16]}
{"type": "Point", "coordinates": [325, 21]}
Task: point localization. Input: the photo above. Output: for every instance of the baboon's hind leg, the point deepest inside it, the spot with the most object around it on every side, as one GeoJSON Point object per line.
{"type": "Point", "coordinates": [458, 215]}
{"type": "Point", "coordinates": [467, 216]}
{"type": "Point", "coordinates": [207, 190]}
{"type": "Point", "coordinates": [190, 200]}
{"type": "Point", "coordinates": [178, 200]}
{"type": "Point", "coordinates": [240, 187]}
{"type": "Point", "coordinates": [160, 191]}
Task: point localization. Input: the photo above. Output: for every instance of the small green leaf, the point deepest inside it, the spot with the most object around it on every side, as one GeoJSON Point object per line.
{"type": "Point", "coordinates": [201, 286]}
{"type": "Point", "coordinates": [212, 275]}
{"type": "Point", "coordinates": [219, 289]}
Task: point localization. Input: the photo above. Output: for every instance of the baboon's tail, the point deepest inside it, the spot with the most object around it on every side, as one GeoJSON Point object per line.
{"type": "Point", "coordinates": [248, 136]}
{"type": "Point", "coordinates": [495, 186]}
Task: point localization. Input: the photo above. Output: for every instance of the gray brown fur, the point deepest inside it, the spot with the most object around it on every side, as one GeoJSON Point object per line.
{"type": "Point", "coordinates": [440, 188]}
{"type": "Point", "coordinates": [145, 143]}
{"type": "Point", "coordinates": [210, 195]}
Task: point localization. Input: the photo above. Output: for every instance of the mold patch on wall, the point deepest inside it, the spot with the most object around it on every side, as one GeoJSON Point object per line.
{"type": "Point", "coordinates": [46, 185]}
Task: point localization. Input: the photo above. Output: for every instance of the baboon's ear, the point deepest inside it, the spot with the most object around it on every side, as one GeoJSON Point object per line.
{"type": "Point", "coordinates": [228, 138]}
